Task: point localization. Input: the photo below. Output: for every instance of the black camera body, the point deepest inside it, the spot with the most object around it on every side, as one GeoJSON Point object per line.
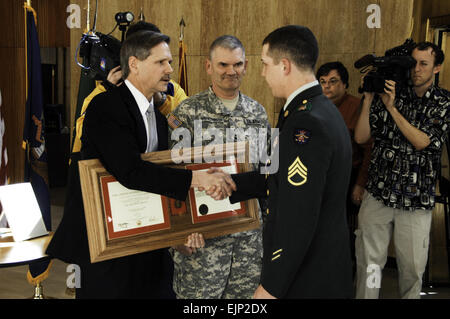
{"type": "Point", "coordinates": [395, 66]}
{"type": "Point", "coordinates": [101, 53]}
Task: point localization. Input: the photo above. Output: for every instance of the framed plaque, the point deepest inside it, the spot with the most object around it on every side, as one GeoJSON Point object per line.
{"type": "Point", "coordinates": [129, 212]}
{"type": "Point", "coordinates": [122, 222]}
{"type": "Point", "coordinates": [203, 207]}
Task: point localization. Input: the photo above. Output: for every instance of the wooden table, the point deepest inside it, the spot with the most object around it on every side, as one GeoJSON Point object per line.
{"type": "Point", "coordinates": [21, 253]}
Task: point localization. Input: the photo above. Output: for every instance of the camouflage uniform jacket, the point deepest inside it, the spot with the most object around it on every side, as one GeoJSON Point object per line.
{"type": "Point", "coordinates": [247, 119]}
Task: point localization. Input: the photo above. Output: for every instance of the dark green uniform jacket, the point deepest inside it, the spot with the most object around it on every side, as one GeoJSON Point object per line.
{"type": "Point", "coordinates": [306, 239]}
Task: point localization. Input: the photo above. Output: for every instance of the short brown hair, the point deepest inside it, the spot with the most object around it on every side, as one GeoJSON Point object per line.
{"type": "Point", "coordinates": [139, 45]}
{"type": "Point", "coordinates": [294, 42]}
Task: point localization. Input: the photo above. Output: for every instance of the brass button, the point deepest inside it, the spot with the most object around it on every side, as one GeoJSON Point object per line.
{"type": "Point", "coordinates": [268, 192]}
{"type": "Point", "coordinates": [305, 101]}
{"type": "Point", "coordinates": [286, 113]}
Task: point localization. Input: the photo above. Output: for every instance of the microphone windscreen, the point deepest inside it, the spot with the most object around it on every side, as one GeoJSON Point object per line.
{"type": "Point", "coordinates": [364, 61]}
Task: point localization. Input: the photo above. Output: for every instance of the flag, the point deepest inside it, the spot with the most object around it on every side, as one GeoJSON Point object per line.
{"type": "Point", "coordinates": [182, 72]}
{"type": "Point", "coordinates": [36, 171]}
{"type": "Point", "coordinates": [3, 162]}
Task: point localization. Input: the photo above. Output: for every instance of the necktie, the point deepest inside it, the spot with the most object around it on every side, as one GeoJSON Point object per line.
{"type": "Point", "coordinates": [152, 133]}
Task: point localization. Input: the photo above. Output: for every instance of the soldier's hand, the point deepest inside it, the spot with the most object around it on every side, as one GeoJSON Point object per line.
{"type": "Point", "coordinates": [216, 192]}
{"type": "Point", "coordinates": [193, 242]}
{"type": "Point", "coordinates": [261, 293]}
{"type": "Point", "coordinates": [217, 183]}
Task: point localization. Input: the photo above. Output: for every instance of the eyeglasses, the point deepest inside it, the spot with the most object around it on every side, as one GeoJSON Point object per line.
{"type": "Point", "coordinates": [331, 82]}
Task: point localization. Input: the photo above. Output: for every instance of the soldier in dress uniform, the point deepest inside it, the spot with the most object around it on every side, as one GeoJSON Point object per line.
{"type": "Point", "coordinates": [305, 239]}
{"type": "Point", "coordinates": [228, 266]}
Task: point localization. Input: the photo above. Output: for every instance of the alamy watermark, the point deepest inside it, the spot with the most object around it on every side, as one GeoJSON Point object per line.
{"type": "Point", "coordinates": [374, 279]}
{"type": "Point", "coordinates": [373, 20]}
{"type": "Point", "coordinates": [213, 138]}
{"type": "Point", "coordinates": [74, 278]}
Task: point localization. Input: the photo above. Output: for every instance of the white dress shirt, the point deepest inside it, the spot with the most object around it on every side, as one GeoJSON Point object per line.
{"type": "Point", "coordinates": [143, 104]}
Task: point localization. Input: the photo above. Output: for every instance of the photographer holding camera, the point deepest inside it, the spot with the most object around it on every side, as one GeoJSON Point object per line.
{"type": "Point", "coordinates": [409, 125]}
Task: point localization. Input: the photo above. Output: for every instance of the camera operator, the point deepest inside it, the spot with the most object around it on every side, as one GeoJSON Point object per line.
{"type": "Point", "coordinates": [166, 102]}
{"type": "Point", "coordinates": [409, 127]}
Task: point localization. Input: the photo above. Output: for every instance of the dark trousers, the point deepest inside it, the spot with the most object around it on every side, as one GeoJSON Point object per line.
{"type": "Point", "coordinates": [352, 216]}
{"type": "Point", "coordinates": [142, 276]}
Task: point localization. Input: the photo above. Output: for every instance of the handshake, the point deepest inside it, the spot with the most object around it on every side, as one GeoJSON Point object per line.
{"type": "Point", "coordinates": [215, 182]}
{"type": "Point", "coordinates": [218, 185]}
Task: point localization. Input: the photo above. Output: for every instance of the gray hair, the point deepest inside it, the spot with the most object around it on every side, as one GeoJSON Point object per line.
{"type": "Point", "coordinates": [228, 42]}
{"type": "Point", "coordinates": [139, 45]}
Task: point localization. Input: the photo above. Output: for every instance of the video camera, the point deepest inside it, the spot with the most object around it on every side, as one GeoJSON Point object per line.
{"type": "Point", "coordinates": [101, 53]}
{"type": "Point", "coordinates": [395, 65]}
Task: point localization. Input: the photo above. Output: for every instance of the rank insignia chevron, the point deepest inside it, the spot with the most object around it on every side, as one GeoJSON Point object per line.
{"type": "Point", "coordinates": [297, 167]}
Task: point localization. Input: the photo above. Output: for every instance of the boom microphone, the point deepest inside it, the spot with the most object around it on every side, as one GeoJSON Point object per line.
{"type": "Point", "coordinates": [365, 60]}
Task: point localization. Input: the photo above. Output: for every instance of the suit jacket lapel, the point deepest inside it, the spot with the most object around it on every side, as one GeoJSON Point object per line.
{"type": "Point", "coordinates": [161, 126]}
{"type": "Point", "coordinates": [130, 102]}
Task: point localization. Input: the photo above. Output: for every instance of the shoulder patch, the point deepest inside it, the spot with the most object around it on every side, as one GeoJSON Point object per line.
{"type": "Point", "coordinates": [173, 121]}
{"type": "Point", "coordinates": [301, 136]}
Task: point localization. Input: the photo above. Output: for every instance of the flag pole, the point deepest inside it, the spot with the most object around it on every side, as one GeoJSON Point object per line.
{"type": "Point", "coordinates": [88, 18]}
{"type": "Point", "coordinates": [182, 75]}
{"type": "Point", "coordinates": [182, 25]}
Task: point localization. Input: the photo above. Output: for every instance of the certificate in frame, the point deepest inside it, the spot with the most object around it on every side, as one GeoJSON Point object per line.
{"type": "Point", "coordinates": [204, 208]}
{"type": "Point", "coordinates": [149, 212]}
{"type": "Point", "coordinates": [178, 217]}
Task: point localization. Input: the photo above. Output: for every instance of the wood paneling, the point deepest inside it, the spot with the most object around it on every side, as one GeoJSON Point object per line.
{"type": "Point", "coordinates": [52, 32]}
{"type": "Point", "coordinates": [340, 27]}
{"type": "Point", "coordinates": [439, 7]}
{"type": "Point", "coordinates": [12, 87]}
{"type": "Point", "coordinates": [424, 9]}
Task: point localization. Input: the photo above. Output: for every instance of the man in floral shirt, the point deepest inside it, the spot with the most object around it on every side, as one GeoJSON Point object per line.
{"type": "Point", "coordinates": [409, 127]}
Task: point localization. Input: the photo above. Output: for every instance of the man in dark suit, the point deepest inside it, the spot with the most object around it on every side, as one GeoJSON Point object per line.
{"type": "Point", "coordinates": [120, 125]}
{"type": "Point", "coordinates": [305, 238]}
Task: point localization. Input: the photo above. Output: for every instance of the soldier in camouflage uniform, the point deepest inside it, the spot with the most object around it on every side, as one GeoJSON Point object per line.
{"type": "Point", "coordinates": [228, 266]}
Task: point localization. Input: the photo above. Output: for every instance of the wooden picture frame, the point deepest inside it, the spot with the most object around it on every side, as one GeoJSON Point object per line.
{"type": "Point", "coordinates": [178, 222]}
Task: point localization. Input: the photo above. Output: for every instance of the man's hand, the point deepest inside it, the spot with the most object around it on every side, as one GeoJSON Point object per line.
{"type": "Point", "coordinates": [217, 184]}
{"type": "Point", "coordinates": [388, 97]}
{"type": "Point", "coordinates": [216, 192]}
{"type": "Point", "coordinates": [193, 242]}
{"type": "Point", "coordinates": [357, 194]}
{"type": "Point", "coordinates": [115, 75]}
{"type": "Point", "coordinates": [261, 293]}
{"type": "Point", "coordinates": [368, 96]}
{"type": "Point", "coordinates": [159, 98]}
